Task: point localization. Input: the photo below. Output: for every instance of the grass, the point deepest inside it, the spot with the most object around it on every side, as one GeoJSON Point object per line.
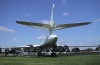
{"type": "Point", "coordinates": [61, 60]}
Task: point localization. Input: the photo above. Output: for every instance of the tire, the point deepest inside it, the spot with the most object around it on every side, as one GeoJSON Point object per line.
{"type": "Point", "coordinates": [39, 54]}
{"type": "Point", "coordinates": [53, 54]}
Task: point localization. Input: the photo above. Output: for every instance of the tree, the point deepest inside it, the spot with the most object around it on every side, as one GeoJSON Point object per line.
{"type": "Point", "coordinates": [66, 48]}
{"type": "Point", "coordinates": [89, 49]}
{"type": "Point", "coordinates": [98, 48]}
{"type": "Point", "coordinates": [0, 50]}
{"type": "Point", "coordinates": [75, 50]}
{"type": "Point", "coordinates": [60, 49]}
{"type": "Point", "coordinates": [6, 50]}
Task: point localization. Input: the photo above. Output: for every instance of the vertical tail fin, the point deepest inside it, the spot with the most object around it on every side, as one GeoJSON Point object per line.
{"type": "Point", "coordinates": [51, 20]}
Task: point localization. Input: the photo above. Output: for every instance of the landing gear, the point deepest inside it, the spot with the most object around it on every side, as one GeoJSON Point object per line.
{"type": "Point", "coordinates": [53, 54]}
{"type": "Point", "coordinates": [47, 52]}
{"type": "Point", "coordinates": [39, 50]}
{"type": "Point", "coordinates": [39, 54]}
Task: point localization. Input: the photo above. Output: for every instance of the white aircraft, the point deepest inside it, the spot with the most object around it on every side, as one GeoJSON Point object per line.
{"type": "Point", "coordinates": [50, 41]}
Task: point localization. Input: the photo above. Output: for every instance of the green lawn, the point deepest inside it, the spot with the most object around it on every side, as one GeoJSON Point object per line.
{"type": "Point", "coordinates": [61, 60]}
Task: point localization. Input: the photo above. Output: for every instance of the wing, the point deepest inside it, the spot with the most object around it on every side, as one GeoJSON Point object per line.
{"type": "Point", "coordinates": [63, 26]}
{"type": "Point", "coordinates": [35, 25]}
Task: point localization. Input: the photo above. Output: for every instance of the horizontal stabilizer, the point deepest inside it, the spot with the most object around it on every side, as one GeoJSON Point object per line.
{"type": "Point", "coordinates": [63, 26]}
{"type": "Point", "coordinates": [35, 25]}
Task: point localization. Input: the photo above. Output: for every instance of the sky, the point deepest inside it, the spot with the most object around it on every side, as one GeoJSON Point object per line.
{"type": "Point", "coordinates": [65, 11]}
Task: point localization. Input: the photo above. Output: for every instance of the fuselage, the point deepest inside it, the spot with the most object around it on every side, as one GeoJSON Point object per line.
{"type": "Point", "coordinates": [50, 41]}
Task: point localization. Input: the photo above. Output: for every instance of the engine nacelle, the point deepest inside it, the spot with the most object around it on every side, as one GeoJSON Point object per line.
{"type": "Point", "coordinates": [38, 49]}
{"type": "Point", "coordinates": [59, 49]}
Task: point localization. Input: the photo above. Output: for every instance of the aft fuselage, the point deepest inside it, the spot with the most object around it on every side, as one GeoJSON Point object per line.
{"type": "Point", "coordinates": [50, 41]}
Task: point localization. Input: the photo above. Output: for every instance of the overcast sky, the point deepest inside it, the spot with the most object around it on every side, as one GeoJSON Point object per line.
{"type": "Point", "coordinates": [65, 11]}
